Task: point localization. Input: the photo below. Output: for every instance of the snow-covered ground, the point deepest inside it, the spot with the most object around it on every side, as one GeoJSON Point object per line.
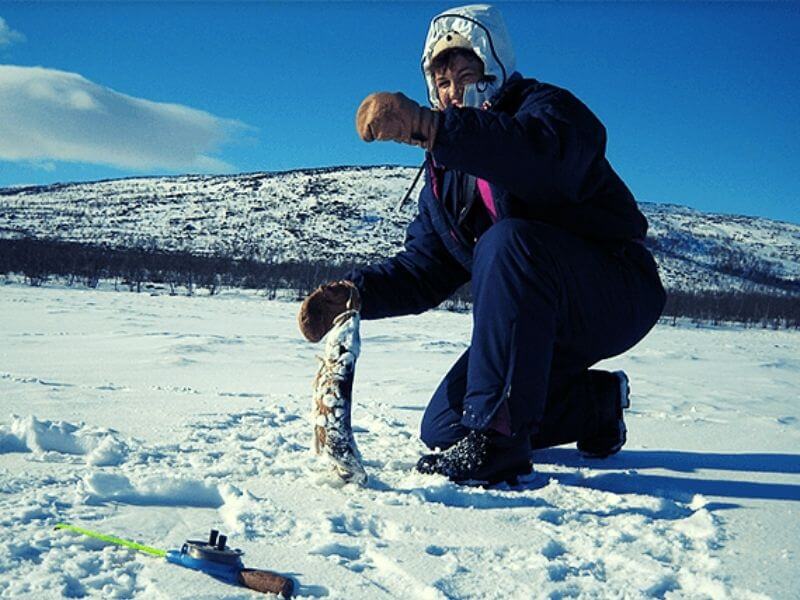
{"type": "Point", "coordinates": [157, 418]}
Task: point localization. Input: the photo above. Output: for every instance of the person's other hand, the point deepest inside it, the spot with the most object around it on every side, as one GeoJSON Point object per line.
{"type": "Point", "coordinates": [323, 305]}
{"type": "Point", "coordinates": [393, 116]}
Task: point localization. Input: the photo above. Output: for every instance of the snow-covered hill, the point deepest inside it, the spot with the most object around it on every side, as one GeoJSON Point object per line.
{"type": "Point", "coordinates": [348, 214]}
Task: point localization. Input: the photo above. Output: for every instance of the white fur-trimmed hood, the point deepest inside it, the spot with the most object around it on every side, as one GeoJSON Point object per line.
{"type": "Point", "coordinates": [483, 26]}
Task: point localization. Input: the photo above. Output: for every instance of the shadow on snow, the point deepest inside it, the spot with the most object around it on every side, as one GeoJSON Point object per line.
{"type": "Point", "coordinates": [679, 488]}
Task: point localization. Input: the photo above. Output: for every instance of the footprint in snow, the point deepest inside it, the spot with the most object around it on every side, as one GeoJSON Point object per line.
{"type": "Point", "coordinates": [335, 549]}
{"type": "Point", "coordinates": [553, 550]}
{"type": "Point", "coordinates": [436, 550]}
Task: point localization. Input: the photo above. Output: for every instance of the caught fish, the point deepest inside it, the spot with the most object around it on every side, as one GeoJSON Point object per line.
{"type": "Point", "coordinates": [333, 399]}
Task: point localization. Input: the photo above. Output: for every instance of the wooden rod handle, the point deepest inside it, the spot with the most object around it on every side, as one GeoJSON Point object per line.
{"type": "Point", "coordinates": [267, 582]}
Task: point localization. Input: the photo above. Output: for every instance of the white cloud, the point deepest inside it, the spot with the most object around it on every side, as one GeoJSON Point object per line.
{"type": "Point", "coordinates": [7, 35]}
{"type": "Point", "coordinates": [55, 115]}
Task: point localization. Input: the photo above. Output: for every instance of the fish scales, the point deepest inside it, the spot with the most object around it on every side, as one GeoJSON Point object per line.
{"type": "Point", "coordinates": [333, 399]}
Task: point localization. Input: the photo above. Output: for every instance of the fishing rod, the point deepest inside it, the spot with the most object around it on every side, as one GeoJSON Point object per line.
{"type": "Point", "coordinates": [212, 557]}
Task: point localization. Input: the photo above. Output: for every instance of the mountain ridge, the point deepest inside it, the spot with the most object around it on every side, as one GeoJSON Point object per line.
{"type": "Point", "coordinates": [347, 214]}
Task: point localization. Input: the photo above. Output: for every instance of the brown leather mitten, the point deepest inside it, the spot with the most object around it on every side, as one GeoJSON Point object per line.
{"type": "Point", "coordinates": [323, 305]}
{"type": "Point", "coordinates": [387, 116]}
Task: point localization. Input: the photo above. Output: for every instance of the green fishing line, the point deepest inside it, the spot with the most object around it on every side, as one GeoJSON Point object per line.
{"type": "Point", "coordinates": [113, 540]}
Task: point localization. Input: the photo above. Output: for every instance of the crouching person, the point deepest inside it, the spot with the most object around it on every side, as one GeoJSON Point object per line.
{"type": "Point", "coordinates": [520, 201]}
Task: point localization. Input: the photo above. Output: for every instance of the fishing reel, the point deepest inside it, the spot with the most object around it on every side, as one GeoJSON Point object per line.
{"type": "Point", "coordinates": [216, 559]}
{"type": "Point", "coordinates": [212, 557]}
{"type": "Point", "coordinates": [213, 550]}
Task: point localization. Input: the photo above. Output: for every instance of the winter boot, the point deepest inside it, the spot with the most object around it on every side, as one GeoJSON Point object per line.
{"type": "Point", "coordinates": [611, 434]}
{"type": "Point", "coordinates": [481, 458]}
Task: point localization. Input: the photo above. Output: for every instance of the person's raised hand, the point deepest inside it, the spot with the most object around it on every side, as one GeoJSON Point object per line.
{"type": "Point", "coordinates": [388, 116]}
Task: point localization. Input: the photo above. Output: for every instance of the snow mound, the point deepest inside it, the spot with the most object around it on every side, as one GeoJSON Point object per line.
{"type": "Point", "coordinates": [60, 568]}
{"type": "Point", "coordinates": [162, 490]}
{"type": "Point", "coordinates": [99, 447]}
{"type": "Point", "coordinates": [240, 510]}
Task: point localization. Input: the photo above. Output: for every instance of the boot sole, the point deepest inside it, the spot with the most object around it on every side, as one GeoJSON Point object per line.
{"type": "Point", "coordinates": [509, 476]}
{"type": "Point", "coordinates": [624, 389]}
{"type": "Point", "coordinates": [624, 403]}
{"type": "Point", "coordinates": [610, 451]}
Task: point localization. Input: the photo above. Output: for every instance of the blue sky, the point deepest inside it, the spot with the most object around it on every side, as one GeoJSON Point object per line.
{"type": "Point", "coordinates": [700, 100]}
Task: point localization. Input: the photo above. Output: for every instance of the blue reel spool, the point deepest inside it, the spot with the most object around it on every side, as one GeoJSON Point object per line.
{"type": "Point", "coordinates": [212, 557]}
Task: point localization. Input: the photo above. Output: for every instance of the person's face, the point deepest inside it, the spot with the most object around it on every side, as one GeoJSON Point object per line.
{"type": "Point", "coordinates": [458, 74]}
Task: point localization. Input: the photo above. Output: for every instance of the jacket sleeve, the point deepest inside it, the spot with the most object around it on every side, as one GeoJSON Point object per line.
{"type": "Point", "coordinates": [542, 153]}
{"type": "Point", "coordinates": [417, 279]}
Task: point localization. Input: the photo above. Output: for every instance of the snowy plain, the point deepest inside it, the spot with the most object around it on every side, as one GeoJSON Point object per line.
{"type": "Point", "coordinates": [156, 418]}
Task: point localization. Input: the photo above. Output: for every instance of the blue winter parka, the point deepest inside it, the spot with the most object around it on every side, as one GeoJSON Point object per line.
{"type": "Point", "coordinates": [542, 151]}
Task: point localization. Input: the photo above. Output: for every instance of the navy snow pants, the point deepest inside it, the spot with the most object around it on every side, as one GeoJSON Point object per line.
{"type": "Point", "coordinates": [546, 306]}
